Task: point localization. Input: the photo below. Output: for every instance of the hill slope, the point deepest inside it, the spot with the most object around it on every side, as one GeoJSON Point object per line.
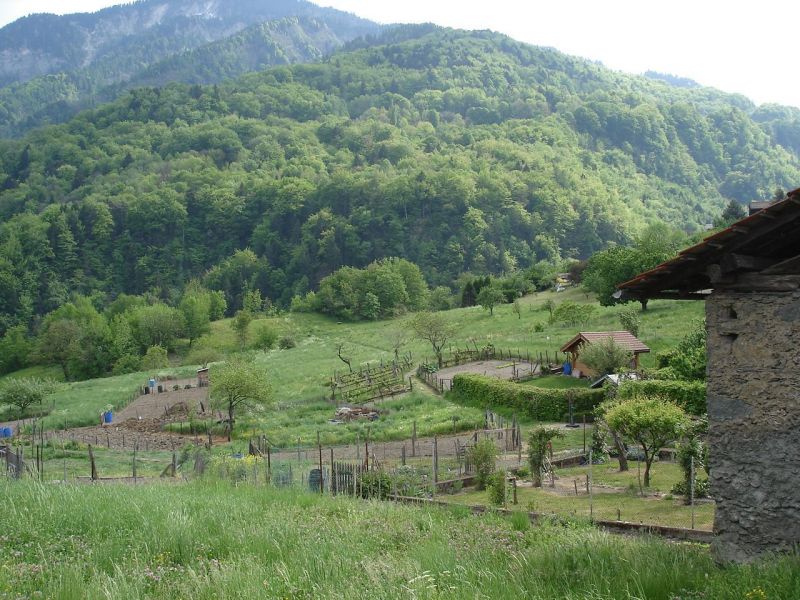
{"type": "Point", "coordinates": [461, 151]}
{"type": "Point", "coordinates": [50, 65]}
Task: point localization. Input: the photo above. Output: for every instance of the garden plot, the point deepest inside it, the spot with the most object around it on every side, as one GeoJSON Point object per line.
{"type": "Point", "coordinates": [502, 369]}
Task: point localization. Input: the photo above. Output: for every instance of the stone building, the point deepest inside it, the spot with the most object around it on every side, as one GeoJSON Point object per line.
{"type": "Point", "coordinates": [749, 276]}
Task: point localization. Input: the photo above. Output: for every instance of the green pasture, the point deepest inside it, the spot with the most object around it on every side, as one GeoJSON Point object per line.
{"type": "Point", "coordinates": [216, 540]}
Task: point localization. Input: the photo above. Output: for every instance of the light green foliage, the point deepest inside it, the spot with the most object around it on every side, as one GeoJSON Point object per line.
{"type": "Point", "coordinates": [155, 358]}
{"type": "Point", "coordinates": [605, 356]}
{"type": "Point", "coordinates": [196, 309]}
{"type": "Point", "coordinates": [156, 325]}
{"type": "Point", "coordinates": [440, 298]}
{"type": "Point", "coordinates": [692, 457]}
{"type": "Point", "coordinates": [433, 328]}
{"type": "Point", "coordinates": [572, 313]}
{"type": "Point", "coordinates": [631, 320]}
{"type": "Point", "coordinates": [202, 355]}
{"type": "Point", "coordinates": [517, 309]}
{"type": "Point", "coordinates": [489, 297]}
{"type": "Point", "coordinates": [608, 268]}
{"type": "Point", "coordinates": [649, 422]}
{"type": "Point", "coordinates": [239, 382]}
{"type": "Point", "coordinates": [539, 440]}
{"type": "Point", "coordinates": [689, 395]}
{"type": "Point", "coordinates": [207, 540]}
{"type": "Point", "coordinates": [687, 361]}
{"type": "Point", "coordinates": [24, 392]}
{"type": "Point", "coordinates": [483, 456]}
{"type": "Point", "coordinates": [217, 305]}
{"type": "Point", "coordinates": [253, 302]}
{"type": "Point", "coordinates": [240, 324]}
{"type": "Point", "coordinates": [497, 488]}
{"type": "Point", "coordinates": [265, 336]}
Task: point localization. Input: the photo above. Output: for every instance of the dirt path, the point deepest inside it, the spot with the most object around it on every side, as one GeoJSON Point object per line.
{"type": "Point", "coordinates": [502, 369]}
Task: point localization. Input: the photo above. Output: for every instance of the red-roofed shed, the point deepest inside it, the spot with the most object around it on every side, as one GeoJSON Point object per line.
{"type": "Point", "coordinates": [623, 338]}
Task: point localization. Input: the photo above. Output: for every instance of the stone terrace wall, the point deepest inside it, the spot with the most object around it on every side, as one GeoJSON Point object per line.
{"type": "Point", "coordinates": [754, 422]}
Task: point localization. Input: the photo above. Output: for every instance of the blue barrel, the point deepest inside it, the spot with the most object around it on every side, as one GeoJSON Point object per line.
{"type": "Point", "coordinates": [6, 432]}
{"type": "Point", "coordinates": [567, 368]}
{"type": "Point", "coordinates": [108, 416]}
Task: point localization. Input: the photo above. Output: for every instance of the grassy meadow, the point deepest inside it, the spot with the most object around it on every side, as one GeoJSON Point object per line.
{"type": "Point", "coordinates": [300, 375]}
{"type": "Point", "coordinates": [214, 540]}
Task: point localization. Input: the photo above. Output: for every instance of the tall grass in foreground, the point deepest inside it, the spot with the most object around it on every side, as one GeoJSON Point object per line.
{"type": "Point", "coordinates": [213, 540]}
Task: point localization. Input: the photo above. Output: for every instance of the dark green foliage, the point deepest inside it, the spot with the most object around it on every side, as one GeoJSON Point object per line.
{"type": "Point", "coordinates": [692, 450]}
{"type": "Point", "coordinates": [539, 441]}
{"type": "Point", "coordinates": [689, 395]}
{"type": "Point", "coordinates": [497, 487]}
{"type": "Point", "coordinates": [375, 484]}
{"type": "Point", "coordinates": [385, 288]}
{"type": "Point", "coordinates": [533, 403]}
{"type": "Point", "coordinates": [460, 152]}
{"type": "Point", "coordinates": [287, 342]}
{"type": "Point", "coordinates": [15, 349]}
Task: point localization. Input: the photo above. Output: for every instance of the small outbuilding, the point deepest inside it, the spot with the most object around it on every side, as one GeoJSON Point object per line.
{"type": "Point", "coordinates": [622, 338]}
{"type": "Point", "coordinates": [202, 377]}
{"type": "Point", "coordinates": [749, 276]}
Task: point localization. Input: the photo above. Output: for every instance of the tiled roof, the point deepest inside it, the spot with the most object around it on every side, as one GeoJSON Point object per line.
{"type": "Point", "coordinates": [623, 338]}
{"type": "Point", "coordinates": [771, 234]}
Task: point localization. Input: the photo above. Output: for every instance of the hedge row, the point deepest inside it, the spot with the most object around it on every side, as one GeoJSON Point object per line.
{"type": "Point", "coordinates": [538, 404]}
{"type": "Point", "coordinates": [689, 395]}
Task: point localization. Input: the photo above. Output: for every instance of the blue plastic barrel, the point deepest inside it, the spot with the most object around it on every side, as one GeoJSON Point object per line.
{"type": "Point", "coordinates": [567, 368]}
{"type": "Point", "coordinates": [6, 432]}
{"type": "Point", "coordinates": [108, 416]}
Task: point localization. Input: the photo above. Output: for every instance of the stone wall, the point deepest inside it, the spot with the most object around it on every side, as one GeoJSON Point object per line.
{"type": "Point", "coordinates": [754, 422]}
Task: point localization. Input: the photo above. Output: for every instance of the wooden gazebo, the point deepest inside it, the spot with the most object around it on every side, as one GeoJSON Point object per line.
{"type": "Point", "coordinates": [624, 339]}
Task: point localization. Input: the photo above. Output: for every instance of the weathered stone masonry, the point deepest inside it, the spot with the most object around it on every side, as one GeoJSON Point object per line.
{"type": "Point", "coordinates": [754, 421]}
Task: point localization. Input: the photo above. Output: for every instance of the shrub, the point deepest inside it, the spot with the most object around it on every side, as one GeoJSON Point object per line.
{"type": "Point", "coordinates": [538, 443]}
{"type": "Point", "coordinates": [483, 456]}
{"type": "Point", "coordinates": [265, 337]}
{"type": "Point", "coordinates": [534, 403]}
{"type": "Point", "coordinates": [375, 484]}
{"type": "Point", "coordinates": [689, 395]}
{"type": "Point", "coordinates": [155, 358]}
{"type": "Point", "coordinates": [286, 342]}
{"type": "Point", "coordinates": [605, 356]}
{"type": "Point", "coordinates": [630, 320]}
{"type": "Point", "coordinates": [127, 364]}
{"type": "Point", "coordinates": [497, 488]}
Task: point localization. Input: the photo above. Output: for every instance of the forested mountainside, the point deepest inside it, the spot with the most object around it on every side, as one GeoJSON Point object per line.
{"type": "Point", "coordinates": [460, 151]}
{"type": "Point", "coordinates": [51, 66]}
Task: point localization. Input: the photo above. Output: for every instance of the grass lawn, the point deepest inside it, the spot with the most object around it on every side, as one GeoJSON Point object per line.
{"type": "Point", "coordinates": [663, 475]}
{"type": "Point", "coordinates": [215, 540]}
{"type": "Point", "coordinates": [300, 375]}
{"type": "Point", "coordinates": [557, 382]}
{"type": "Point", "coordinates": [651, 510]}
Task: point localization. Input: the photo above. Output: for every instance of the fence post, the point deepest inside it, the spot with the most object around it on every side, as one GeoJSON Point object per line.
{"type": "Point", "coordinates": [414, 439]}
{"type": "Point", "coordinates": [91, 461]}
{"type": "Point", "coordinates": [333, 476]}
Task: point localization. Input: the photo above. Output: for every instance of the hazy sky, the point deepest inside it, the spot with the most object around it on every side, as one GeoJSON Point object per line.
{"type": "Point", "coordinates": [736, 46]}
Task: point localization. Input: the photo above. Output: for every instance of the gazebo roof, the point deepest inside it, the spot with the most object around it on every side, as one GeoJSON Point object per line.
{"type": "Point", "coordinates": [761, 251]}
{"type": "Point", "coordinates": [623, 338]}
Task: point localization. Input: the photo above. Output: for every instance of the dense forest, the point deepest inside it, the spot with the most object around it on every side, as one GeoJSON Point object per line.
{"type": "Point", "coordinates": [52, 66]}
{"type": "Point", "coordinates": [458, 151]}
